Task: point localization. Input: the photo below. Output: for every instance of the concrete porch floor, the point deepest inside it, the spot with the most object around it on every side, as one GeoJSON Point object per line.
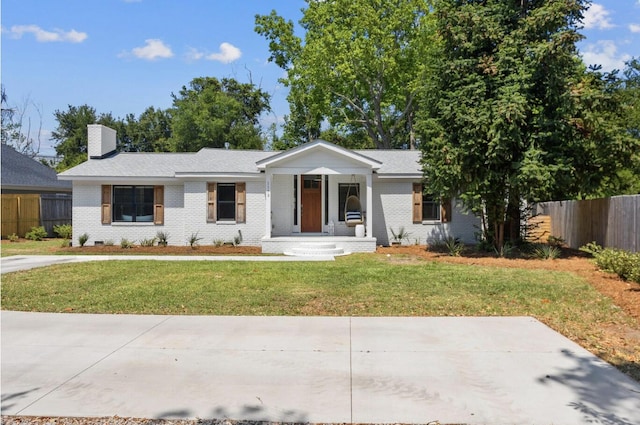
{"type": "Point", "coordinates": [282, 244]}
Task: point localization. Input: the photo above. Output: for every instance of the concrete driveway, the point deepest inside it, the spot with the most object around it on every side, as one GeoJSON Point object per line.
{"type": "Point", "coordinates": [495, 370]}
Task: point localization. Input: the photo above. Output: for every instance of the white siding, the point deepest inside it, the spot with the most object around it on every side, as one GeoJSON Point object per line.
{"type": "Point", "coordinates": [282, 205]}
{"type": "Point", "coordinates": [185, 213]}
{"type": "Point", "coordinates": [393, 208]}
{"type": "Point", "coordinates": [195, 213]}
{"type": "Point", "coordinates": [86, 217]}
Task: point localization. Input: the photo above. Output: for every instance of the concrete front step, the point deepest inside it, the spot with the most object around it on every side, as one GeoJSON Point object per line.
{"type": "Point", "coordinates": [306, 249]}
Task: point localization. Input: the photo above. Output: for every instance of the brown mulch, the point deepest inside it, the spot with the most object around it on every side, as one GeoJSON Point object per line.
{"type": "Point", "coordinates": [165, 250]}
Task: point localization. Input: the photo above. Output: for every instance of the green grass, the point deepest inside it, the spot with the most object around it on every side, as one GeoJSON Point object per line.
{"type": "Point", "coordinates": [356, 285]}
{"type": "Point", "coordinates": [27, 247]}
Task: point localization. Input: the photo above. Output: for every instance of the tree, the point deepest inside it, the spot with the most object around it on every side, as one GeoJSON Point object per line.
{"type": "Point", "coordinates": [501, 124]}
{"type": "Point", "coordinates": [17, 128]}
{"type": "Point", "coordinates": [151, 132]}
{"type": "Point", "coordinates": [71, 134]}
{"type": "Point", "coordinates": [631, 104]}
{"type": "Point", "coordinates": [211, 113]}
{"type": "Point", "coordinates": [360, 67]}
{"type": "Point", "coordinates": [607, 148]}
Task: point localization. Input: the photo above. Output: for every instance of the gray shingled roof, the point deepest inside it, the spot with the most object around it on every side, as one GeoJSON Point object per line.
{"type": "Point", "coordinates": [395, 161]}
{"type": "Point", "coordinates": [221, 161]}
{"type": "Point", "coordinates": [22, 173]}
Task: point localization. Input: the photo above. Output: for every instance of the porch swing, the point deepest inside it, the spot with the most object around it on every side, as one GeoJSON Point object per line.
{"type": "Point", "coordinates": [352, 207]}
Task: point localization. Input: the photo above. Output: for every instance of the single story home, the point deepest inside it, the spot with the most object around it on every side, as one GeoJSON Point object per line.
{"type": "Point", "coordinates": [318, 196]}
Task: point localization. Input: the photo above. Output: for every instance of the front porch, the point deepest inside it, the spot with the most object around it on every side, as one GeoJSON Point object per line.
{"type": "Point", "coordinates": [317, 244]}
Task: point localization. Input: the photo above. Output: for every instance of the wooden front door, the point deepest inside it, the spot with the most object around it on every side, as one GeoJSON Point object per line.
{"type": "Point", "coordinates": [311, 203]}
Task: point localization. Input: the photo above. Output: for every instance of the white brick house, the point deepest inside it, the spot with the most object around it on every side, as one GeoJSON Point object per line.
{"type": "Point", "coordinates": [271, 199]}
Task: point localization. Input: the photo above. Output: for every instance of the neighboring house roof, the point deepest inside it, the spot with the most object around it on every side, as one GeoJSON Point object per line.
{"type": "Point", "coordinates": [220, 162]}
{"type": "Point", "coordinates": [21, 173]}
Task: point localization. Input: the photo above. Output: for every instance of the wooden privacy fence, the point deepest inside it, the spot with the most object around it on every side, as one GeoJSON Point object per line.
{"type": "Point", "coordinates": [21, 212]}
{"type": "Point", "coordinates": [610, 222]}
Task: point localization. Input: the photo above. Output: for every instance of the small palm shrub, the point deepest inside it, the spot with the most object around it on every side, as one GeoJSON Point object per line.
{"type": "Point", "coordinates": [545, 252]}
{"type": "Point", "coordinates": [13, 237]}
{"type": "Point", "coordinates": [36, 233]}
{"type": "Point", "coordinates": [163, 238]}
{"type": "Point", "coordinates": [400, 235]}
{"type": "Point", "coordinates": [126, 243]}
{"type": "Point", "coordinates": [454, 246]}
{"type": "Point", "coordinates": [148, 242]}
{"type": "Point", "coordinates": [194, 240]}
{"type": "Point", "coordinates": [64, 231]}
{"type": "Point", "coordinates": [83, 238]}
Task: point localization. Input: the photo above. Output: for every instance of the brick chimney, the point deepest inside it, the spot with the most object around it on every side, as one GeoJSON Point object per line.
{"type": "Point", "coordinates": [102, 141]}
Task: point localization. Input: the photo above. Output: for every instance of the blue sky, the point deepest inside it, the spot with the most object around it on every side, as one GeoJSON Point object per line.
{"type": "Point", "coordinates": [122, 56]}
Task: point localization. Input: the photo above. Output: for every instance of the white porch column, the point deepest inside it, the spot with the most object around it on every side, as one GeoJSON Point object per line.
{"type": "Point", "coordinates": [369, 229]}
{"type": "Point", "coordinates": [267, 202]}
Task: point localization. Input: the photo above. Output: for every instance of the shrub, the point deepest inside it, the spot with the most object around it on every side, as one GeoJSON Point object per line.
{"type": "Point", "coordinates": [545, 252]}
{"type": "Point", "coordinates": [163, 238]}
{"type": "Point", "coordinates": [109, 242]}
{"type": "Point", "coordinates": [454, 246]}
{"type": "Point", "coordinates": [66, 243]}
{"type": "Point", "coordinates": [64, 231]}
{"type": "Point", "coordinates": [400, 235]}
{"type": "Point", "coordinates": [218, 242]}
{"type": "Point", "coordinates": [83, 238]}
{"type": "Point", "coordinates": [148, 242]}
{"type": "Point", "coordinates": [555, 241]}
{"type": "Point", "coordinates": [126, 243]}
{"type": "Point", "coordinates": [194, 240]}
{"type": "Point", "coordinates": [13, 237]}
{"type": "Point", "coordinates": [450, 245]}
{"type": "Point", "coordinates": [36, 234]}
{"type": "Point", "coordinates": [624, 264]}
{"type": "Point", "coordinates": [506, 251]}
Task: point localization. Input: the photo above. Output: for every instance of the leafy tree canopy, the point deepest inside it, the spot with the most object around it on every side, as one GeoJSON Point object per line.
{"type": "Point", "coordinates": [512, 112]}
{"type": "Point", "coordinates": [359, 68]}
{"type": "Point", "coordinates": [212, 112]}
{"type": "Point", "coordinates": [71, 134]}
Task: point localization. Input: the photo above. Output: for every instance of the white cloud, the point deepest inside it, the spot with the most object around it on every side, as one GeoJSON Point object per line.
{"type": "Point", "coordinates": [634, 27]}
{"type": "Point", "coordinates": [597, 17]}
{"type": "Point", "coordinates": [605, 53]}
{"type": "Point", "coordinates": [43, 36]}
{"type": "Point", "coordinates": [152, 50]}
{"type": "Point", "coordinates": [228, 53]}
{"type": "Point", "coordinates": [194, 54]}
